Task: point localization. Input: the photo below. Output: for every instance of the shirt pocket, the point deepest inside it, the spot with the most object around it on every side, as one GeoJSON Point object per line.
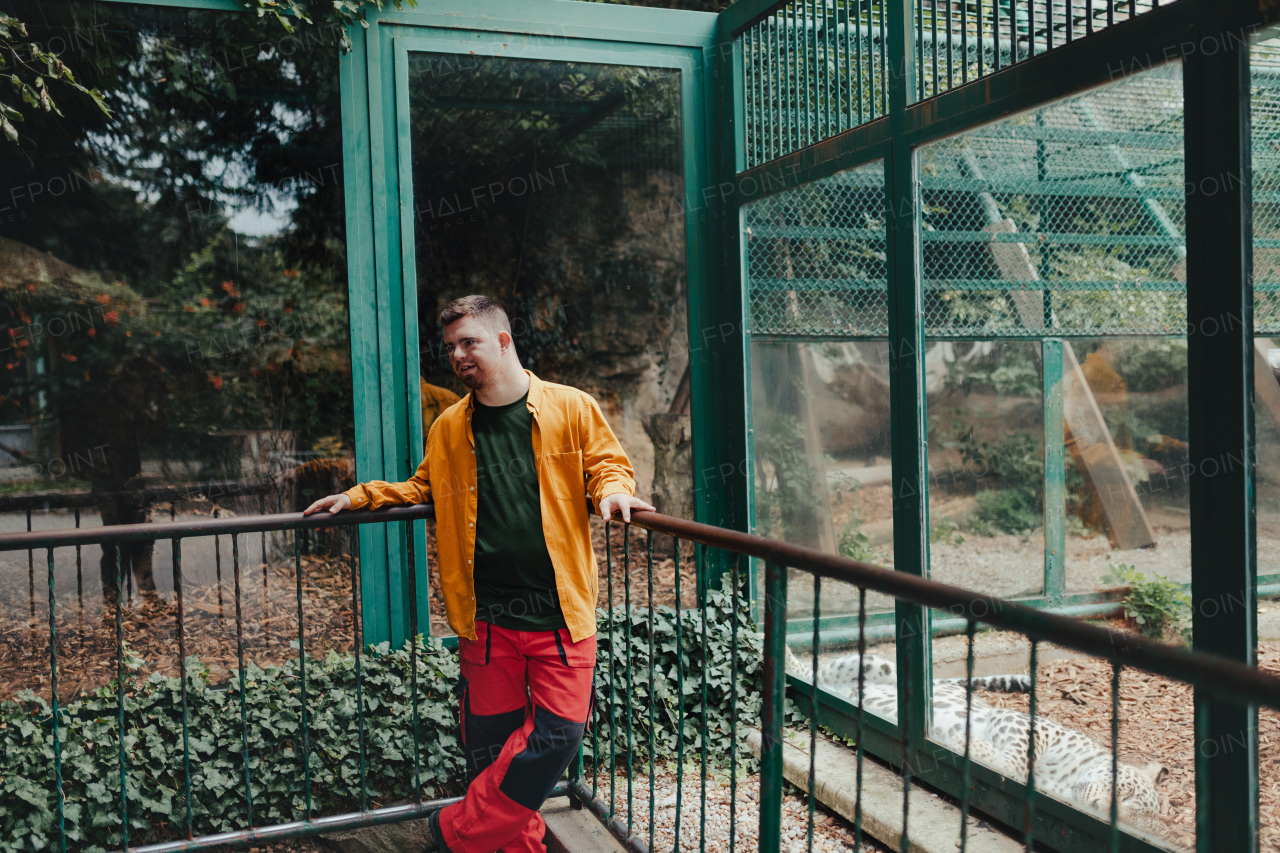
{"type": "Point", "coordinates": [564, 475]}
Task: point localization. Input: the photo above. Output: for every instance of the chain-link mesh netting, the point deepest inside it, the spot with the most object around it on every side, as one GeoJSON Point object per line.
{"type": "Point", "coordinates": [816, 258]}
{"type": "Point", "coordinates": [957, 41]}
{"type": "Point", "coordinates": [1265, 109]}
{"type": "Point", "coordinates": [1065, 221]}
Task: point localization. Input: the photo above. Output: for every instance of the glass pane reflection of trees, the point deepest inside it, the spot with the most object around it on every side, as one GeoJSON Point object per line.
{"type": "Point", "coordinates": [173, 299]}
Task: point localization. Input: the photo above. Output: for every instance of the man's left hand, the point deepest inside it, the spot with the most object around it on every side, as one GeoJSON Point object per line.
{"type": "Point", "coordinates": [623, 503]}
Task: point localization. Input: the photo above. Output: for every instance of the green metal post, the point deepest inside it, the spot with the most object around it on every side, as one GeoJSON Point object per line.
{"type": "Point", "coordinates": [1220, 423]}
{"type": "Point", "coordinates": [1055, 486]}
{"type": "Point", "coordinates": [775, 686]}
{"type": "Point", "coordinates": [906, 387]}
{"type": "Point", "coordinates": [716, 303]}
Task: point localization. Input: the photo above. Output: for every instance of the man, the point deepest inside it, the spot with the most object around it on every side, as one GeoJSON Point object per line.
{"type": "Point", "coordinates": [509, 468]}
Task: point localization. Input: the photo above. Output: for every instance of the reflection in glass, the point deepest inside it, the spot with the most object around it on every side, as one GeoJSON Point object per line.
{"type": "Point", "coordinates": [175, 330]}
{"type": "Point", "coordinates": [557, 188]}
{"type": "Point", "coordinates": [1054, 290]}
{"type": "Point", "coordinates": [986, 466]}
{"type": "Point", "coordinates": [820, 437]}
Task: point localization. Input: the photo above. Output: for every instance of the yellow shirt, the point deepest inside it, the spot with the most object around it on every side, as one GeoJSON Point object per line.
{"type": "Point", "coordinates": [576, 453]}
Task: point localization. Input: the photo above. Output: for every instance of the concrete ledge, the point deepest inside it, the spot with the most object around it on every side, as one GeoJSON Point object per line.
{"type": "Point", "coordinates": [935, 823]}
{"type": "Point", "coordinates": [571, 830]}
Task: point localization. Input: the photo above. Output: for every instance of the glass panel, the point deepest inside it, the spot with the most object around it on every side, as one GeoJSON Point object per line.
{"type": "Point", "coordinates": [820, 394]}
{"type": "Point", "coordinates": [1265, 112]}
{"type": "Point", "coordinates": [1053, 256]}
{"type": "Point", "coordinates": [174, 304]}
{"type": "Point", "coordinates": [986, 466]}
{"type": "Point", "coordinates": [557, 188]}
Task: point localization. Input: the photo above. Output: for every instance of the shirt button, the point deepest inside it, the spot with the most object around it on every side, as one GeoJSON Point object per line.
{"type": "Point", "coordinates": [468, 562]}
{"type": "Point", "coordinates": [473, 488]}
{"type": "Point", "coordinates": [471, 524]}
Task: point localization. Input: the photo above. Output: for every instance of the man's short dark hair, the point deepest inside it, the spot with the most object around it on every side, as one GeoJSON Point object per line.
{"type": "Point", "coordinates": [482, 308]}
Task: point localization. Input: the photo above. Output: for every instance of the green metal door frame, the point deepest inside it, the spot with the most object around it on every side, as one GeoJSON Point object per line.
{"type": "Point", "coordinates": [384, 297]}
{"type": "Point", "coordinates": [382, 302]}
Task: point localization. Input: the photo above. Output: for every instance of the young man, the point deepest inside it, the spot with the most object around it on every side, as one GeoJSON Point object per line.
{"type": "Point", "coordinates": [509, 468]}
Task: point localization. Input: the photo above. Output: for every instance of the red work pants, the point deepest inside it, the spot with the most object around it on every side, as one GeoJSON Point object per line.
{"type": "Point", "coordinates": [525, 700]}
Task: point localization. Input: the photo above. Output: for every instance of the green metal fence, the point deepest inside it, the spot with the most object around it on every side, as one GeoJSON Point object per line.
{"type": "Point", "coordinates": [813, 69]}
{"type": "Point", "coordinates": [314, 744]}
{"type": "Point", "coordinates": [683, 677]}
{"type": "Point", "coordinates": [625, 749]}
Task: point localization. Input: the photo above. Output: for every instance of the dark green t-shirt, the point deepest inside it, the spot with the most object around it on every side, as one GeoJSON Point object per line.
{"type": "Point", "coordinates": [515, 581]}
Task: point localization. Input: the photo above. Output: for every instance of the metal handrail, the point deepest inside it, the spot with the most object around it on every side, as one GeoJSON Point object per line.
{"type": "Point", "coordinates": [1228, 678]}
{"type": "Point", "coordinates": [121, 533]}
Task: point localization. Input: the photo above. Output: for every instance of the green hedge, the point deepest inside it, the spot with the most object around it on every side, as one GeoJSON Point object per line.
{"type": "Point", "coordinates": [153, 736]}
{"type": "Point", "coordinates": [671, 705]}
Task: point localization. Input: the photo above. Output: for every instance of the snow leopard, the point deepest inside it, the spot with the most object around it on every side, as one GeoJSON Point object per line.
{"type": "Point", "coordinates": [1069, 766]}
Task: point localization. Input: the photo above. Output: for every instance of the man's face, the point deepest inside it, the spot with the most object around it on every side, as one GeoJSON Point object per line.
{"type": "Point", "coordinates": [475, 351]}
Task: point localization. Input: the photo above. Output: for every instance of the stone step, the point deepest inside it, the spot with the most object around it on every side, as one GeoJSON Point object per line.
{"type": "Point", "coordinates": [571, 830]}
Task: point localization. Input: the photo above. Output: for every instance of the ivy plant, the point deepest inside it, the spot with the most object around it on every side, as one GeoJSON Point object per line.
{"type": "Point", "coordinates": [270, 740]}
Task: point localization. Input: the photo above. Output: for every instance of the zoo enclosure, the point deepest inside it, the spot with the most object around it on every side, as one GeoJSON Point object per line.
{"type": "Point", "coordinates": [677, 703]}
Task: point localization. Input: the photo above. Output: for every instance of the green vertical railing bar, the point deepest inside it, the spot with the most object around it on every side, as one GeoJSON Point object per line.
{"type": "Point", "coordinates": [626, 638]}
{"type": "Point", "coordinates": [776, 91]}
{"type": "Point", "coordinates": [53, 719]}
{"type": "Point", "coordinates": [31, 573]}
{"type": "Point", "coordinates": [810, 72]}
{"type": "Point", "coordinates": [933, 43]}
{"type": "Point", "coordinates": [124, 766]}
{"type": "Point", "coordinates": [412, 573]}
{"type": "Point", "coordinates": [951, 53]}
{"type": "Point", "coordinates": [357, 639]}
{"type": "Point", "coordinates": [244, 712]}
{"type": "Point", "coordinates": [774, 710]}
{"type": "Point", "coordinates": [841, 59]}
{"type": "Point", "coordinates": [680, 700]}
{"type": "Point", "coordinates": [857, 90]}
{"type": "Point", "coordinates": [302, 678]}
{"type": "Point", "coordinates": [613, 676]}
{"type": "Point", "coordinates": [1114, 808]}
{"type": "Point", "coordinates": [885, 71]}
{"type": "Point", "coordinates": [1221, 420]}
{"type": "Point", "coordinates": [828, 56]}
{"type": "Point", "coordinates": [652, 767]}
{"type": "Point", "coordinates": [982, 50]}
{"type": "Point", "coordinates": [966, 767]}
{"type": "Point", "coordinates": [813, 711]}
{"type": "Point", "coordinates": [907, 719]}
{"type": "Point", "coordinates": [701, 556]}
{"type": "Point", "coordinates": [182, 674]}
{"type": "Point", "coordinates": [733, 710]}
{"type": "Point", "coordinates": [860, 722]}
{"type": "Point", "coordinates": [1055, 472]}
{"type": "Point", "coordinates": [793, 65]}
{"type": "Point", "coordinates": [918, 49]}
{"type": "Point", "coordinates": [1028, 828]}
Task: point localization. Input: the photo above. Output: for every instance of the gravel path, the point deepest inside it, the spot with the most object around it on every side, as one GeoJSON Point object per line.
{"type": "Point", "coordinates": [831, 833]}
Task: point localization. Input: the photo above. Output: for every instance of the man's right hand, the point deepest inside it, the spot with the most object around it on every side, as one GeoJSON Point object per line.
{"type": "Point", "coordinates": [334, 503]}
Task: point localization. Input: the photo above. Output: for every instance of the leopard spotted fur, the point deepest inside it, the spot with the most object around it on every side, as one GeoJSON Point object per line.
{"type": "Point", "coordinates": [1069, 765]}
